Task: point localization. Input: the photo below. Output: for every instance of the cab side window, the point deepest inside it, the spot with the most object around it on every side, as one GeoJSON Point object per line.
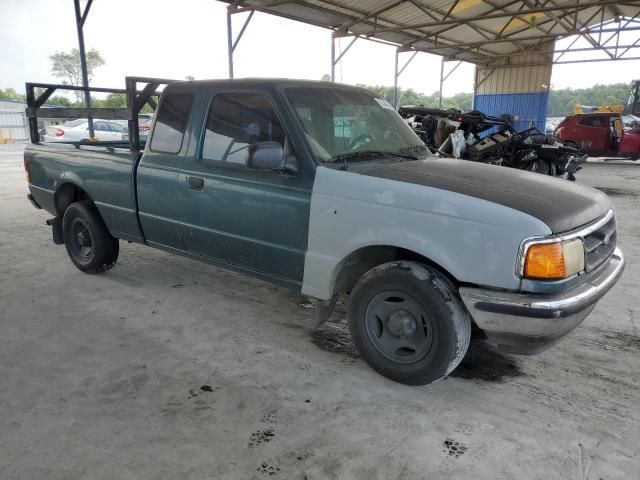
{"type": "Point", "coordinates": [237, 120]}
{"type": "Point", "coordinates": [594, 122]}
{"type": "Point", "coordinates": [171, 122]}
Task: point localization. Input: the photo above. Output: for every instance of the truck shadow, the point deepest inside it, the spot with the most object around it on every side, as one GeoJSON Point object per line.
{"type": "Point", "coordinates": [480, 363]}
{"type": "Point", "coordinates": [619, 192]}
{"type": "Point", "coordinates": [484, 363]}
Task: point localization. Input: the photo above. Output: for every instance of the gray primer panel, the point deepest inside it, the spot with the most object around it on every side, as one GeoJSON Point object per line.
{"type": "Point", "coordinates": [475, 240]}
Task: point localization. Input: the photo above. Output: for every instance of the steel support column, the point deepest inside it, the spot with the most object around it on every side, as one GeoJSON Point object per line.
{"type": "Point", "coordinates": [231, 42]}
{"type": "Point", "coordinates": [441, 82]}
{"type": "Point", "coordinates": [397, 73]}
{"type": "Point", "coordinates": [334, 60]}
{"type": "Point", "coordinates": [443, 78]}
{"type": "Point", "coordinates": [395, 81]}
{"type": "Point", "coordinates": [81, 17]}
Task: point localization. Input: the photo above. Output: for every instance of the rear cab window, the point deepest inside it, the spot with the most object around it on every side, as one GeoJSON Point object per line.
{"type": "Point", "coordinates": [171, 122]}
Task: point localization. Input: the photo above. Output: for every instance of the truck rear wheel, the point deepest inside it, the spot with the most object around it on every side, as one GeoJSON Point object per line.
{"type": "Point", "coordinates": [89, 244]}
{"type": "Point", "coordinates": [408, 323]}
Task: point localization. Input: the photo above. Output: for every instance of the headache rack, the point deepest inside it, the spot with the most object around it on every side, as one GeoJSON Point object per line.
{"type": "Point", "coordinates": [136, 100]}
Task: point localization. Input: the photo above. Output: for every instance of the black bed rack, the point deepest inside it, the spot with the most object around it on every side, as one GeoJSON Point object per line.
{"type": "Point", "coordinates": [136, 100]}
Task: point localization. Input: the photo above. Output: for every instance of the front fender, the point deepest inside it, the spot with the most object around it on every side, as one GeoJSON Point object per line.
{"type": "Point", "coordinates": [474, 240]}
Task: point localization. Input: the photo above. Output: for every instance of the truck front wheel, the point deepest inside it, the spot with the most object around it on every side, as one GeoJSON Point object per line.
{"type": "Point", "coordinates": [89, 244]}
{"type": "Point", "coordinates": [408, 323]}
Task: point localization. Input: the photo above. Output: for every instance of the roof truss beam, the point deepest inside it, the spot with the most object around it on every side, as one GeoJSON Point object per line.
{"type": "Point", "coordinates": [497, 15]}
{"type": "Point", "coordinates": [438, 33]}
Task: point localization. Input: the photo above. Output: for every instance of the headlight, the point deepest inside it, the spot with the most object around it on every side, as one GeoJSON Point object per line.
{"type": "Point", "coordinates": [554, 260]}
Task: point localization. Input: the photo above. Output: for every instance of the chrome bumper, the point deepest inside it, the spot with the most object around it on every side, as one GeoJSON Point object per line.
{"type": "Point", "coordinates": [530, 323]}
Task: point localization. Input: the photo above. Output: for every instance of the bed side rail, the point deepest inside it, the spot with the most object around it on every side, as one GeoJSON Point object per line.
{"type": "Point", "coordinates": [137, 98]}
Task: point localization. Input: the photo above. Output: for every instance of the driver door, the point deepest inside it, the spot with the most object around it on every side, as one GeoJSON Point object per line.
{"type": "Point", "coordinates": [254, 220]}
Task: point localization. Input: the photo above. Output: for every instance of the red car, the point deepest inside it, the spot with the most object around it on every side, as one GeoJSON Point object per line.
{"type": "Point", "coordinates": [602, 134]}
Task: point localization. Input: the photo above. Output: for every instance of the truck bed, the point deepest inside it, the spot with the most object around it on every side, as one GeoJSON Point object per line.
{"type": "Point", "coordinates": [106, 174]}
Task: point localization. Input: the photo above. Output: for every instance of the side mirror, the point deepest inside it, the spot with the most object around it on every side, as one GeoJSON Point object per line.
{"type": "Point", "coordinates": [269, 156]}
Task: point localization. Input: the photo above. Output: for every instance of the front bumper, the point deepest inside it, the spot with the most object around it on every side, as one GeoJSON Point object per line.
{"type": "Point", "coordinates": [526, 323]}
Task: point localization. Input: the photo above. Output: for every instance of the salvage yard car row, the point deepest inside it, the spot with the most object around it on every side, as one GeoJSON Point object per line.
{"type": "Point", "coordinates": [104, 130]}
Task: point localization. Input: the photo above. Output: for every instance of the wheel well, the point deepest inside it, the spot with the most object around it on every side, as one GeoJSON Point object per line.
{"type": "Point", "coordinates": [66, 195]}
{"type": "Point", "coordinates": [366, 258]}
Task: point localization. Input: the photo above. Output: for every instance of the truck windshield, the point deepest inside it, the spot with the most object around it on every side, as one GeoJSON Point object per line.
{"type": "Point", "coordinates": [339, 123]}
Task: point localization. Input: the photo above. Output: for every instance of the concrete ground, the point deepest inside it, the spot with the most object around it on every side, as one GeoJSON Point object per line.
{"type": "Point", "coordinates": [165, 368]}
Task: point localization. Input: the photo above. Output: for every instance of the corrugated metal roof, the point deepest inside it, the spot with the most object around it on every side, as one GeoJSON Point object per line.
{"type": "Point", "coordinates": [476, 31]}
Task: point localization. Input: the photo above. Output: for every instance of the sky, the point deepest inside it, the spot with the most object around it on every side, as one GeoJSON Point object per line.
{"type": "Point", "coordinates": [174, 39]}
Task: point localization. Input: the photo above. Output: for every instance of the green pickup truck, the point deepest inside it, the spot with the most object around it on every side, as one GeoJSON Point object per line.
{"type": "Point", "coordinates": [324, 189]}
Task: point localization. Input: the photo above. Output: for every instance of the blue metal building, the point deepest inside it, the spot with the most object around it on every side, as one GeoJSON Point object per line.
{"type": "Point", "coordinates": [517, 85]}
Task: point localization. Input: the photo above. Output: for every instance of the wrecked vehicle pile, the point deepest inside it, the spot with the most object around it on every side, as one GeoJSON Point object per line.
{"type": "Point", "coordinates": [455, 134]}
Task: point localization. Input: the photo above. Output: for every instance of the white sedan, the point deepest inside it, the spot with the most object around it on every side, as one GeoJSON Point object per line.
{"type": "Point", "coordinates": [78, 130]}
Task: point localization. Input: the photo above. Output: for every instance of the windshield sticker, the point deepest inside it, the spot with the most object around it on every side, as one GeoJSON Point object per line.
{"type": "Point", "coordinates": [384, 104]}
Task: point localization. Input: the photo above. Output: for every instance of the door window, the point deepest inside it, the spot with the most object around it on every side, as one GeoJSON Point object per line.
{"type": "Point", "coordinates": [237, 120]}
{"type": "Point", "coordinates": [171, 122]}
{"type": "Point", "coordinates": [100, 127]}
{"type": "Point", "coordinates": [594, 121]}
{"type": "Point", "coordinates": [115, 127]}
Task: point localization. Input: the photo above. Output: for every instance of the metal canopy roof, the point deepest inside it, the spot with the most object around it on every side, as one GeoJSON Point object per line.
{"type": "Point", "coordinates": [475, 31]}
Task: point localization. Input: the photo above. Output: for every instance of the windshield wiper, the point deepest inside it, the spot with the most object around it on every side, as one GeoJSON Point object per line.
{"type": "Point", "coordinates": [367, 154]}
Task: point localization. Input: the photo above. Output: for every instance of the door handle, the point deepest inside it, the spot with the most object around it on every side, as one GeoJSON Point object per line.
{"type": "Point", "coordinates": [195, 183]}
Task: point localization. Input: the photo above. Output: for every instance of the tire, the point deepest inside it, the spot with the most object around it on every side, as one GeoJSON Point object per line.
{"type": "Point", "coordinates": [408, 322]}
{"type": "Point", "coordinates": [89, 244]}
{"type": "Point", "coordinates": [539, 166]}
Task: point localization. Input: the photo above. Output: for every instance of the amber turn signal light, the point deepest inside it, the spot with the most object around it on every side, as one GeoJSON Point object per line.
{"type": "Point", "coordinates": [553, 261]}
{"type": "Point", "coordinates": [545, 261]}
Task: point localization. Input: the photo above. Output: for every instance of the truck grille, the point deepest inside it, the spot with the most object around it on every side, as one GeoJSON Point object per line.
{"type": "Point", "coordinates": [600, 244]}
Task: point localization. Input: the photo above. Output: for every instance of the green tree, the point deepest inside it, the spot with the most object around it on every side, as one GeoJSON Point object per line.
{"type": "Point", "coordinates": [460, 101]}
{"type": "Point", "coordinates": [67, 65]}
{"type": "Point", "coordinates": [60, 100]}
{"type": "Point", "coordinates": [561, 101]}
{"type": "Point", "coordinates": [115, 100]}
{"type": "Point", "coordinates": [10, 94]}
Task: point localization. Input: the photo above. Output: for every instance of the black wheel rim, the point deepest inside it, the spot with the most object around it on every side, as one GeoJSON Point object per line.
{"type": "Point", "coordinates": [399, 327]}
{"type": "Point", "coordinates": [80, 243]}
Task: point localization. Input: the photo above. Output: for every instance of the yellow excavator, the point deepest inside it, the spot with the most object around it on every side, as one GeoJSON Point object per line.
{"type": "Point", "coordinates": [614, 108]}
{"type": "Point", "coordinates": [632, 106]}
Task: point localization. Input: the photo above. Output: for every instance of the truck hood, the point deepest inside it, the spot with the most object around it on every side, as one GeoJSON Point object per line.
{"type": "Point", "coordinates": [562, 205]}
